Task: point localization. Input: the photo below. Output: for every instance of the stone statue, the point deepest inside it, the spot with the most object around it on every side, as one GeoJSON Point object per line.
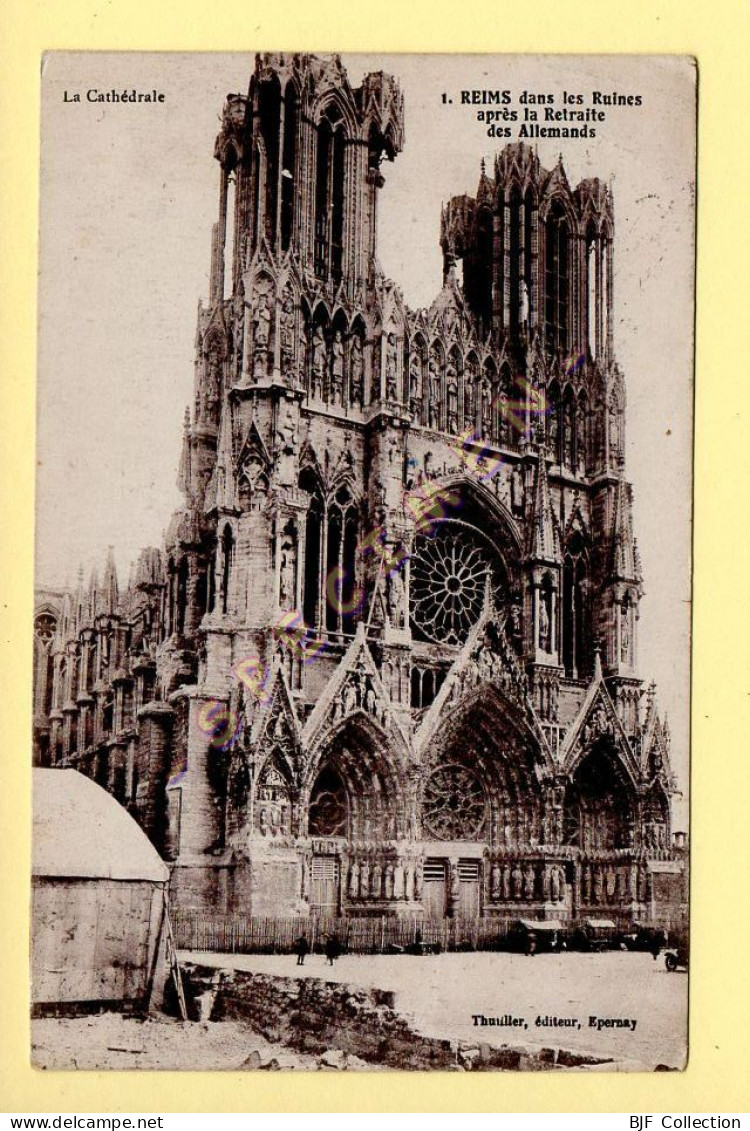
{"type": "Point", "coordinates": [302, 369]}
{"type": "Point", "coordinates": [614, 431]}
{"type": "Point", "coordinates": [455, 885]}
{"type": "Point", "coordinates": [350, 698]}
{"type": "Point", "coordinates": [261, 334]}
{"type": "Point", "coordinates": [319, 358]}
{"type": "Point", "coordinates": [287, 573]}
{"type": "Point", "coordinates": [529, 882]}
{"type": "Point", "coordinates": [469, 400]}
{"type": "Point", "coordinates": [354, 880]}
{"type": "Point", "coordinates": [396, 597]}
{"type": "Point", "coordinates": [486, 409]}
{"type": "Point", "coordinates": [523, 305]}
{"type": "Point", "coordinates": [516, 489]}
{"type": "Point", "coordinates": [434, 392]}
{"type": "Point", "coordinates": [286, 448]}
{"type": "Point", "coordinates": [495, 882]}
{"type": "Point", "coordinates": [364, 879]}
{"type": "Point", "coordinates": [356, 371]}
{"type": "Point", "coordinates": [517, 877]}
{"type": "Point", "coordinates": [415, 384]}
{"type": "Point", "coordinates": [213, 383]}
{"type": "Point", "coordinates": [452, 401]}
{"type": "Point", "coordinates": [624, 634]}
{"type": "Point", "coordinates": [287, 336]}
{"type": "Point", "coordinates": [337, 369]}
{"type": "Point", "coordinates": [544, 633]}
{"type": "Point", "coordinates": [391, 369]}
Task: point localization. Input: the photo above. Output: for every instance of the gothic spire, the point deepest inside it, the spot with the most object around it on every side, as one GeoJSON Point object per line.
{"type": "Point", "coordinates": [93, 594]}
{"type": "Point", "coordinates": [184, 475]}
{"type": "Point", "coordinates": [79, 609]}
{"type": "Point", "coordinates": [111, 593]}
{"type": "Point", "coordinates": [226, 488]}
{"type": "Point", "coordinates": [544, 537]}
{"type": "Point", "coordinates": [625, 564]}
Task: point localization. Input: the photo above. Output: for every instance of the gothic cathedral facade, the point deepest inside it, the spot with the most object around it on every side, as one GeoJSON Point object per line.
{"type": "Point", "coordinates": [386, 662]}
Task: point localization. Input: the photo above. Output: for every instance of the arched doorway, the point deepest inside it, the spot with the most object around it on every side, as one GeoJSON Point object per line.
{"type": "Point", "coordinates": [481, 811]}
{"type": "Point", "coordinates": [356, 807]}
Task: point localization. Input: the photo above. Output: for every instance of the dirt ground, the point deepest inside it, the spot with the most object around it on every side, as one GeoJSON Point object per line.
{"type": "Point", "coordinates": [441, 994]}
{"type": "Point", "coordinates": [109, 1040]}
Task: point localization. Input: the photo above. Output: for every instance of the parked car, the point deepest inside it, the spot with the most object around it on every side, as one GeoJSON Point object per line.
{"type": "Point", "coordinates": [677, 953]}
{"type": "Point", "coordinates": [531, 935]}
{"type": "Point", "coordinates": [596, 935]}
{"type": "Point", "coordinates": [647, 938]}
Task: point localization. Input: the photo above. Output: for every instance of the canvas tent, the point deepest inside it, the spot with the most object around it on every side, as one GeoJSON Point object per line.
{"type": "Point", "coordinates": [99, 897]}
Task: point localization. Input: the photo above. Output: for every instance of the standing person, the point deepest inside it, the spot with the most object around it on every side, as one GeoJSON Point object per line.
{"type": "Point", "coordinates": [332, 949]}
{"type": "Point", "coordinates": [302, 949]}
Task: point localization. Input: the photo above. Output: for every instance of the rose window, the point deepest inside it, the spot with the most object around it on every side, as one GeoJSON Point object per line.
{"type": "Point", "coordinates": [453, 806]}
{"type": "Point", "coordinates": [328, 814]}
{"type": "Point", "coordinates": [449, 571]}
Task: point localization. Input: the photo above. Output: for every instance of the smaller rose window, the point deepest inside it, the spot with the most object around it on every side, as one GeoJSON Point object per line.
{"type": "Point", "coordinates": [329, 810]}
{"type": "Point", "coordinates": [454, 805]}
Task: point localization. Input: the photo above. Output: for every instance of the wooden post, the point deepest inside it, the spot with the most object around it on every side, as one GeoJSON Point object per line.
{"type": "Point", "coordinates": [174, 964]}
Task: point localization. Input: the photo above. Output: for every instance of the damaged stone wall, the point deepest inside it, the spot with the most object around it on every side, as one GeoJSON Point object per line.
{"type": "Point", "coordinates": [313, 1016]}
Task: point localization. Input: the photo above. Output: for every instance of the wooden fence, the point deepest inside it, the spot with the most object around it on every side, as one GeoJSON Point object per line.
{"type": "Point", "coordinates": [252, 934]}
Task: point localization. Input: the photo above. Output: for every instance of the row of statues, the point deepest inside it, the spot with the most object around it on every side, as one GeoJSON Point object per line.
{"type": "Point", "coordinates": [384, 879]}
{"type": "Point", "coordinates": [440, 392]}
{"type": "Point", "coordinates": [527, 882]}
{"type": "Point", "coordinates": [608, 884]}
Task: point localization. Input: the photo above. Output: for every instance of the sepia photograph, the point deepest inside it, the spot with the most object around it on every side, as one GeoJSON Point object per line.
{"type": "Point", "coordinates": [362, 611]}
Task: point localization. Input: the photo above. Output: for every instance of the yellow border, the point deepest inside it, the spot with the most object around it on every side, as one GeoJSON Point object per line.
{"type": "Point", "coordinates": [716, 1079]}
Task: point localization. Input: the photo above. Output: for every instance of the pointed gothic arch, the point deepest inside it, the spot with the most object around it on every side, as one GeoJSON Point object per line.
{"type": "Point", "coordinates": [289, 165]}
{"type": "Point", "coordinates": [330, 191]}
{"type": "Point", "coordinates": [352, 784]}
{"type": "Point", "coordinates": [486, 736]}
{"type": "Point", "coordinates": [227, 562]}
{"type": "Point", "coordinates": [309, 482]}
{"type": "Point", "coordinates": [600, 801]}
{"type": "Point", "coordinates": [557, 275]}
{"type": "Point", "coordinates": [269, 121]}
{"type": "Point", "coordinates": [576, 608]}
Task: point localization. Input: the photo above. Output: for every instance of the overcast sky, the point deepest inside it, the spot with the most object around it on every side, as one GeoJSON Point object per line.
{"type": "Point", "coordinates": [129, 194]}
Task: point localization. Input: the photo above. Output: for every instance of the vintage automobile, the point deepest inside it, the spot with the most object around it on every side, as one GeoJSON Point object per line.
{"type": "Point", "coordinates": [596, 935]}
{"type": "Point", "coordinates": [645, 937]}
{"type": "Point", "coordinates": [677, 952]}
{"type": "Point", "coordinates": [530, 936]}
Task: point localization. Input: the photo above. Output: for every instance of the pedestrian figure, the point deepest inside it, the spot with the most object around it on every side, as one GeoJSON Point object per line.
{"type": "Point", "coordinates": [302, 948]}
{"type": "Point", "coordinates": [332, 949]}
{"type": "Point", "coordinates": [530, 942]}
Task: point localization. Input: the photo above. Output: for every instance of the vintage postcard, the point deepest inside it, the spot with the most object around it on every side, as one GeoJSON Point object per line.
{"type": "Point", "coordinates": [363, 575]}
